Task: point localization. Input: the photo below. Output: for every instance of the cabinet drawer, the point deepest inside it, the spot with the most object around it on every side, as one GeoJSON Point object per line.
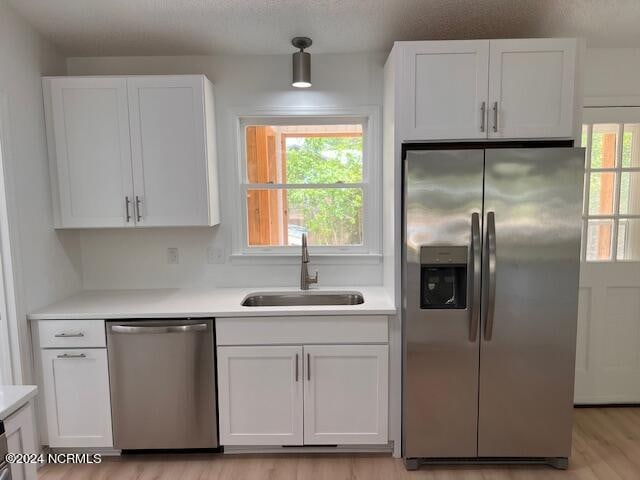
{"type": "Point", "coordinates": [296, 330]}
{"type": "Point", "coordinates": [71, 333]}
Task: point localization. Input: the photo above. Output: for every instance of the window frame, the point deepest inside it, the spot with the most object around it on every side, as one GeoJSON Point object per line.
{"type": "Point", "coordinates": [368, 117]}
{"type": "Point", "coordinates": [616, 116]}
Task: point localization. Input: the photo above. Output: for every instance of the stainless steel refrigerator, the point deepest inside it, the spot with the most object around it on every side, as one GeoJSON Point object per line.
{"type": "Point", "coordinates": [491, 259]}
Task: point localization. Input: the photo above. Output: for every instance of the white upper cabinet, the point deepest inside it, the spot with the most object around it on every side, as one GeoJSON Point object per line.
{"type": "Point", "coordinates": [169, 150]}
{"type": "Point", "coordinates": [531, 88]}
{"type": "Point", "coordinates": [445, 90]}
{"type": "Point", "coordinates": [485, 89]}
{"type": "Point", "coordinates": [132, 151]}
{"type": "Point", "coordinates": [90, 131]}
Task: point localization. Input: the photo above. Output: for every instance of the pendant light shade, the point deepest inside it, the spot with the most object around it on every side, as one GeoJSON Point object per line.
{"type": "Point", "coordinates": [301, 63]}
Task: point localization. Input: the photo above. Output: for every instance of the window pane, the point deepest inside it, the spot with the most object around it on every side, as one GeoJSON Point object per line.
{"type": "Point", "coordinates": [630, 146]}
{"type": "Point", "coordinates": [604, 141]}
{"type": "Point", "coordinates": [599, 234]}
{"type": "Point", "coordinates": [601, 192]}
{"type": "Point", "coordinates": [281, 154]}
{"type": "Point", "coordinates": [329, 216]}
{"type": "Point", "coordinates": [630, 193]}
{"type": "Point", "coordinates": [628, 239]}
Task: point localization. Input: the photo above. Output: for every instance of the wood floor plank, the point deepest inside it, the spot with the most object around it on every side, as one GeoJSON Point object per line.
{"type": "Point", "coordinates": [606, 446]}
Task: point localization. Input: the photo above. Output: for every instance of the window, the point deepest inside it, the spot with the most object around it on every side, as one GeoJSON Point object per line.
{"type": "Point", "coordinates": [305, 175]}
{"type": "Point", "coordinates": [612, 195]}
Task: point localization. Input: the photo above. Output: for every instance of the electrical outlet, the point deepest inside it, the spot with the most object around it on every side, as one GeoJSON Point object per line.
{"type": "Point", "coordinates": [172, 255]}
{"type": "Point", "coordinates": [215, 254]}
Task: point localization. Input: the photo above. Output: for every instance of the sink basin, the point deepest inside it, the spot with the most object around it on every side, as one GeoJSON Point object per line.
{"type": "Point", "coordinates": [289, 299]}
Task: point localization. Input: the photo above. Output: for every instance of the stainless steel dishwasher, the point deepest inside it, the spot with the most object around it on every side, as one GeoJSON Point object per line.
{"type": "Point", "coordinates": [162, 378]}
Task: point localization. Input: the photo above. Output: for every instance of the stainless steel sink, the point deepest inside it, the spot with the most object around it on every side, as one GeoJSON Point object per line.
{"type": "Point", "coordinates": [287, 299]}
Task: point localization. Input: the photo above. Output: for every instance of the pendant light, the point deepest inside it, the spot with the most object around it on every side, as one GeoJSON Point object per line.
{"type": "Point", "coordinates": [301, 63]}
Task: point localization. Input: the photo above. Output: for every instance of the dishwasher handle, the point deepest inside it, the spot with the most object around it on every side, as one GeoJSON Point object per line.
{"type": "Point", "coordinates": [199, 327]}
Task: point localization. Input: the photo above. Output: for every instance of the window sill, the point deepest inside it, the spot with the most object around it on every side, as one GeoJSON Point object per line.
{"type": "Point", "coordinates": [316, 259]}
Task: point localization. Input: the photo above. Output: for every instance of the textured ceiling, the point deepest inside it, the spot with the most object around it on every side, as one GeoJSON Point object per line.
{"type": "Point", "coordinates": [183, 27]}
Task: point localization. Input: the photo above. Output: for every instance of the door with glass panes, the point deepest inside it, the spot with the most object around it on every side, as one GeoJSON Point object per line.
{"type": "Point", "coordinates": [608, 345]}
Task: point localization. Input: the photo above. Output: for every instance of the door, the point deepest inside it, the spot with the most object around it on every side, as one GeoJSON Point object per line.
{"type": "Point", "coordinates": [162, 377]}
{"type": "Point", "coordinates": [445, 90]}
{"type": "Point", "coordinates": [608, 349]}
{"type": "Point", "coordinates": [91, 132]}
{"type": "Point", "coordinates": [531, 88]}
{"type": "Point", "coordinates": [21, 438]}
{"type": "Point", "coordinates": [443, 208]}
{"type": "Point", "coordinates": [346, 394]}
{"type": "Point", "coordinates": [78, 406]}
{"type": "Point", "coordinates": [168, 149]}
{"type": "Point", "coordinates": [533, 200]}
{"type": "Point", "coordinates": [260, 395]}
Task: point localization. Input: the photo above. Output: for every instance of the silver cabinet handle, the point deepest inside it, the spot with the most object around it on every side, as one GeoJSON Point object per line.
{"type": "Point", "coordinates": [495, 116]}
{"type": "Point", "coordinates": [308, 367]}
{"type": "Point", "coordinates": [199, 327]}
{"type": "Point", "coordinates": [138, 216]}
{"type": "Point", "coordinates": [491, 263]}
{"type": "Point", "coordinates": [296, 367]}
{"type": "Point", "coordinates": [483, 114]}
{"type": "Point", "coordinates": [68, 355]}
{"type": "Point", "coordinates": [474, 313]}
{"type": "Point", "coordinates": [127, 202]}
{"type": "Point", "coordinates": [69, 335]}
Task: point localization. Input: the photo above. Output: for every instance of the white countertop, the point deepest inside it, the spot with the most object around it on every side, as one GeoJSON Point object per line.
{"type": "Point", "coordinates": [200, 302]}
{"type": "Point", "coordinates": [12, 397]}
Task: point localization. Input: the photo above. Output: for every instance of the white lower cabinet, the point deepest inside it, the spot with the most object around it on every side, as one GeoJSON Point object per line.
{"type": "Point", "coordinates": [21, 438]}
{"type": "Point", "coordinates": [295, 395]}
{"type": "Point", "coordinates": [77, 399]}
{"type": "Point", "coordinates": [260, 395]}
{"type": "Point", "coordinates": [345, 394]}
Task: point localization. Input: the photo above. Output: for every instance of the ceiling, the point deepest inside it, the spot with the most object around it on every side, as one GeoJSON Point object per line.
{"type": "Point", "coordinates": [191, 27]}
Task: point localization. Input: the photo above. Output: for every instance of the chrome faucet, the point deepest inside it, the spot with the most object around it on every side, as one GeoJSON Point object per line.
{"type": "Point", "coordinates": [305, 278]}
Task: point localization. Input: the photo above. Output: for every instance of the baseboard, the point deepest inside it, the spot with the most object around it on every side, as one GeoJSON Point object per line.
{"type": "Point", "coordinates": [237, 450]}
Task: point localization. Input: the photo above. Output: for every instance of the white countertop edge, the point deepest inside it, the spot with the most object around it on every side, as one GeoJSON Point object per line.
{"type": "Point", "coordinates": [14, 397]}
{"type": "Point", "coordinates": [199, 303]}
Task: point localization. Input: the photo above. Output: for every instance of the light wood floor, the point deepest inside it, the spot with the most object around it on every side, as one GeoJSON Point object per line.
{"type": "Point", "coordinates": [606, 446]}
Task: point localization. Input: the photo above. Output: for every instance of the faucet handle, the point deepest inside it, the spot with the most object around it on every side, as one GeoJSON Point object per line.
{"type": "Point", "coordinates": [315, 278]}
{"type": "Point", "coordinates": [305, 251]}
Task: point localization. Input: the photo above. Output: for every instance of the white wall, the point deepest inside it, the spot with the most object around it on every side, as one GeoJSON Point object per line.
{"type": "Point", "coordinates": [612, 77]}
{"type": "Point", "coordinates": [46, 263]}
{"type": "Point", "coordinates": [137, 259]}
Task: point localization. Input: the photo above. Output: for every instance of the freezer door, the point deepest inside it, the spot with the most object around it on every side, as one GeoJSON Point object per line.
{"type": "Point", "coordinates": [442, 202]}
{"type": "Point", "coordinates": [532, 210]}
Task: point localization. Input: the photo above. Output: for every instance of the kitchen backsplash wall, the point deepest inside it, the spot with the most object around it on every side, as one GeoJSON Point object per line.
{"type": "Point", "coordinates": [138, 258]}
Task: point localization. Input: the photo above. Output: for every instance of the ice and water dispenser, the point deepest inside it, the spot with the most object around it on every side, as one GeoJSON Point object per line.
{"type": "Point", "coordinates": [443, 277]}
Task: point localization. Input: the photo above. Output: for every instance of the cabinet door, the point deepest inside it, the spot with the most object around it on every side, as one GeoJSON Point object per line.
{"type": "Point", "coordinates": [21, 438]}
{"type": "Point", "coordinates": [93, 155]}
{"type": "Point", "coordinates": [346, 394]}
{"type": "Point", "coordinates": [531, 85]}
{"type": "Point", "coordinates": [260, 395]}
{"type": "Point", "coordinates": [77, 400]}
{"type": "Point", "coordinates": [444, 90]}
{"type": "Point", "coordinates": [169, 150]}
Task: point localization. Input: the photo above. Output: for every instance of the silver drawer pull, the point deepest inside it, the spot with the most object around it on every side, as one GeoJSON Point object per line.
{"type": "Point", "coordinates": [69, 335]}
{"type": "Point", "coordinates": [200, 327]}
{"type": "Point", "coordinates": [67, 355]}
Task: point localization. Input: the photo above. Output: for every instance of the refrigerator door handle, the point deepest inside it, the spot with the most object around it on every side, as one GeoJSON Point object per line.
{"type": "Point", "coordinates": [474, 314]}
{"type": "Point", "coordinates": [491, 262]}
